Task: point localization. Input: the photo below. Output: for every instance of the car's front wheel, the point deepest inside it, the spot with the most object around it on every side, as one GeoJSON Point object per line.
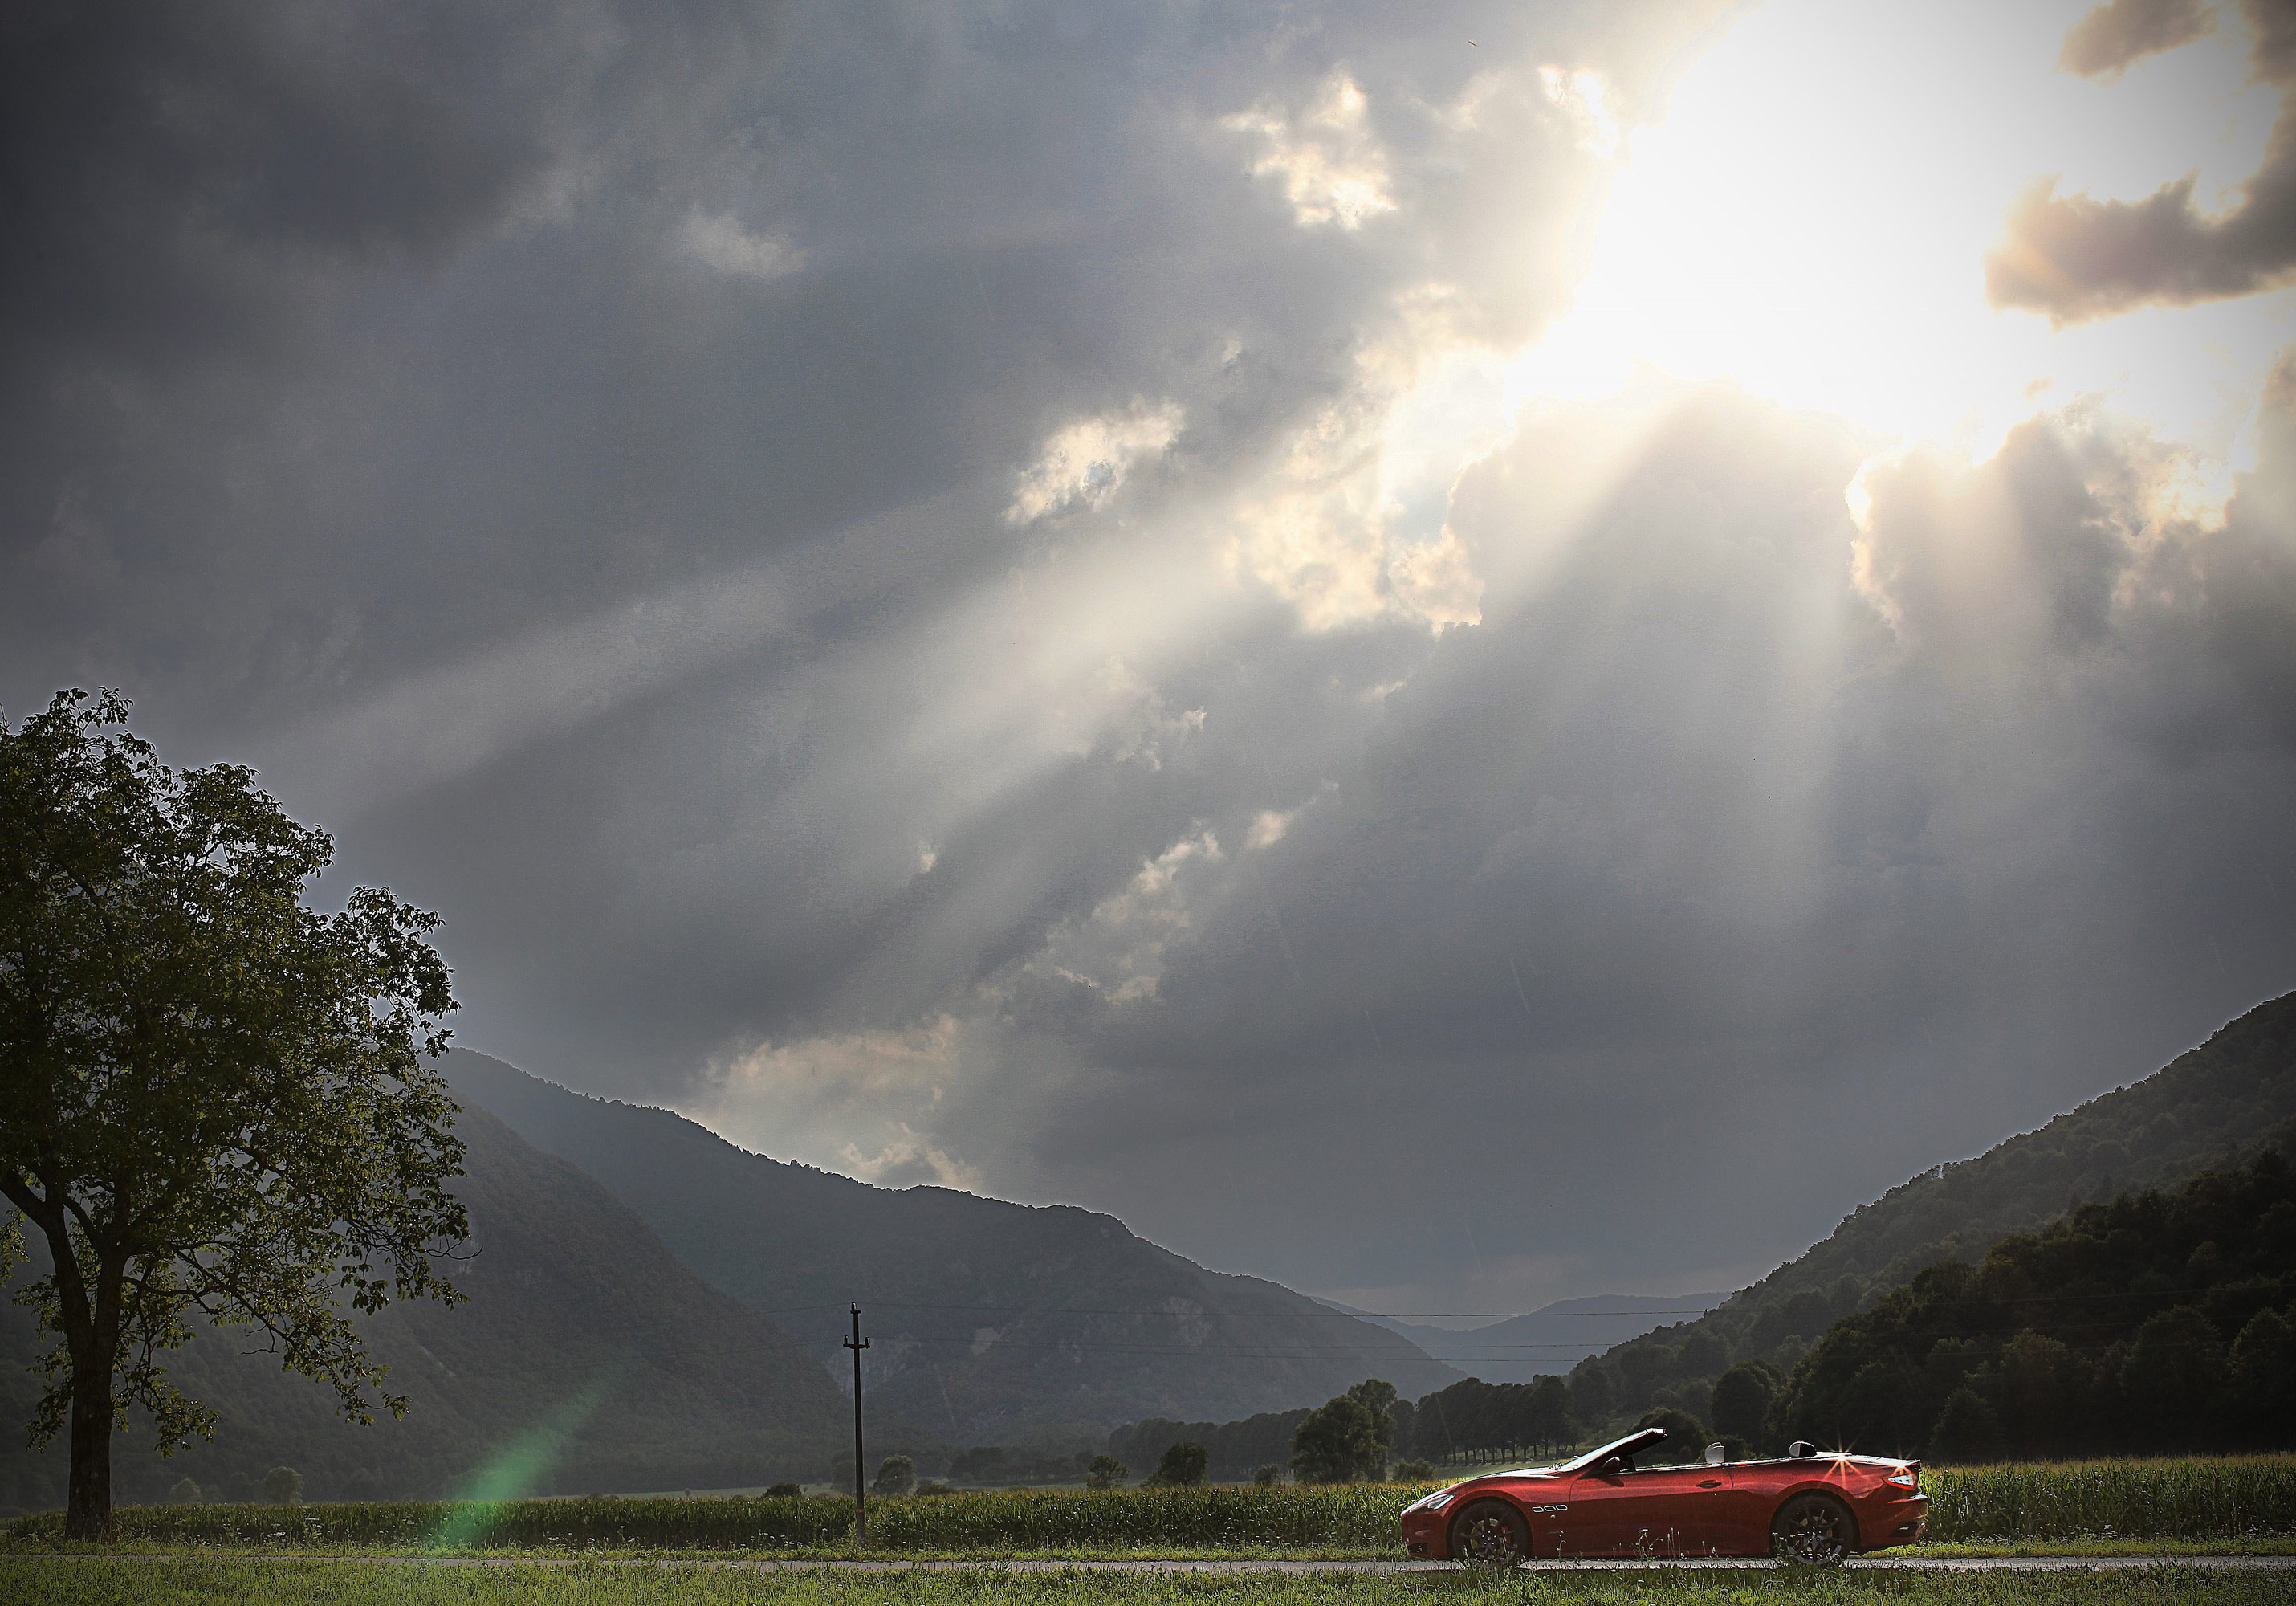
{"type": "Point", "coordinates": [1491, 1534]}
{"type": "Point", "coordinates": [1813, 1530]}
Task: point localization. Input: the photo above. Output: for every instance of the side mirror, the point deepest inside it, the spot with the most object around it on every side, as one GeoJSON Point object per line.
{"type": "Point", "coordinates": [1714, 1454]}
{"type": "Point", "coordinates": [1801, 1449]}
{"type": "Point", "coordinates": [1610, 1466]}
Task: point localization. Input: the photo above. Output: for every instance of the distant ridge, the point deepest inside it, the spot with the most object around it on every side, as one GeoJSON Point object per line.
{"type": "Point", "coordinates": [989, 1320]}
{"type": "Point", "coordinates": [1549, 1340]}
{"type": "Point", "coordinates": [2223, 1102]}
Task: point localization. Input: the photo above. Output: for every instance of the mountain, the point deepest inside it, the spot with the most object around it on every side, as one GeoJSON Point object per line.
{"type": "Point", "coordinates": [985, 1319]}
{"type": "Point", "coordinates": [2217, 1105]}
{"type": "Point", "coordinates": [586, 1358]}
{"type": "Point", "coordinates": [1547, 1341]}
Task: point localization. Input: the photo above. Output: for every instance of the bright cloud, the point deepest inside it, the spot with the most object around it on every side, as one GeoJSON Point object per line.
{"type": "Point", "coordinates": [1087, 461]}
{"type": "Point", "coordinates": [1325, 155]}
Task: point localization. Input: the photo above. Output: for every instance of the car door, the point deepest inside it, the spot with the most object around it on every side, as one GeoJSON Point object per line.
{"type": "Point", "coordinates": [1663, 1511]}
{"type": "Point", "coordinates": [1742, 1513]}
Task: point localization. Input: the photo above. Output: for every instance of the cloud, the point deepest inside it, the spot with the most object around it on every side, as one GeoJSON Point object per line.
{"type": "Point", "coordinates": [798, 1099]}
{"type": "Point", "coordinates": [906, 1161]}
{"type": "Point", "coordinates": [2077, 258]}
{"type": "Point", "coordinates": [1325, 155]}
{"type": "Point", "coordinates": [2121, 31]}
{"type": "Point", "coordinates": [1087, 461]}
{"type": "Point", "coordinates": [720, 241]}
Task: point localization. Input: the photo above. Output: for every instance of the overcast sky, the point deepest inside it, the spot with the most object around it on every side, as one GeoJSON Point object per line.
{"type": "Point", "coordinates": [1457, 653]}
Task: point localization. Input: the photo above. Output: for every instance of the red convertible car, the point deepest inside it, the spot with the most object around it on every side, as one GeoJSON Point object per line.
{"type": "Point", "coordinates": [1807, 1507]}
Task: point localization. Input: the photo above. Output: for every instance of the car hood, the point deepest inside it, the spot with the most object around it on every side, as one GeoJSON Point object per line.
{"type": "Point", "coordinates": [1444, 1496]}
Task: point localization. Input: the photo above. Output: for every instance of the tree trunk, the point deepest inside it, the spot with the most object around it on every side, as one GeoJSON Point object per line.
{"type": "Point", "coordinates": [88, 1506]}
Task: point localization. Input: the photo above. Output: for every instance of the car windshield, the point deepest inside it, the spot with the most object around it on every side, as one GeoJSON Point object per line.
{"type": "Point", "coordinates": [1616, 1447]}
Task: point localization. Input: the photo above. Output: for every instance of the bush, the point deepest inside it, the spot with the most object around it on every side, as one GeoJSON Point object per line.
{"type": "Point", "coordinates": [782, 1491]}
{"type": "Point", "coordinates": [184, 1493]}
{"type": "Point", "coordinates": [1413, 1472]}
{"type": "Point", "coordinates": [1267, 1475]}
{"type": "Point", "coordinates": [897, 1476]}
{"type": "Point", "coordinates": [935, 1487]}
{"type": "Point", "coordinates": [282, 1486]}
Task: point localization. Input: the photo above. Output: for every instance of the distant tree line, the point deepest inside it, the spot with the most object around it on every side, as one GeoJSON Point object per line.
{"type": "Point", "coordinates": [1232, 1450]}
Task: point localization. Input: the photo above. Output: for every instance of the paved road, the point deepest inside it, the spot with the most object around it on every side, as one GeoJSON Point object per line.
{"type": "Point", "coordinates": [1045, 1564]}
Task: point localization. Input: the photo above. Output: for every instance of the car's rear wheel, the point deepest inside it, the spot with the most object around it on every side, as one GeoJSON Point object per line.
{"type": "Point", "coordinates": [1490, 1534]}
{"type": "Point", "coordinates": [1813, 1530]}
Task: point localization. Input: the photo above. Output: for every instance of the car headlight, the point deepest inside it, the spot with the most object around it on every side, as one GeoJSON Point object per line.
{"type": "Point", "coordinates": [1435, 1502]}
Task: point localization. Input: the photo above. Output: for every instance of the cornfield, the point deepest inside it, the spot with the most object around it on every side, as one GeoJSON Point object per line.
{"type": "Point", "coordinates": [2196, 1498]}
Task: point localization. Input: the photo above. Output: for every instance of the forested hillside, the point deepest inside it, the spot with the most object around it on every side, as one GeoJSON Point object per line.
{"type": "Point", "coordinates": [586, 1358]}
{"type": "Point", "coordinates": [988, 1322]}
{"type": "Point", "coordinates": [2222, 1103]}
{"type": "Point", "coordinates": [2157, 1322]}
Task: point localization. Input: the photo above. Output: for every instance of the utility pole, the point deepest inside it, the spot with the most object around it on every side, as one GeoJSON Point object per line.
{"type": "Point", "coordinates": [857, 1344]}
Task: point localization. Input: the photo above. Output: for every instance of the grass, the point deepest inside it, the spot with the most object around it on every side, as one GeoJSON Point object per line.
{"type": "Point", "coordinates": [216, 1581]}
{"type": "Point", "coordinates": [2087, 1507]}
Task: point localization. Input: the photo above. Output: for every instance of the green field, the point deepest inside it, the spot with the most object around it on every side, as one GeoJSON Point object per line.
{"type": "Point", "coordinates": [213, 1581]}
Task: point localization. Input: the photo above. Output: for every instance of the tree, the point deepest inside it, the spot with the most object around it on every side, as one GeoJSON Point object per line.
{"type": "Point", "coordinates": [1267, 1475]}
{"type": "Point", "coordinates": [1378, 1397]}
{"type": "Point", "coordinates": [2172, 1375]}
{"type": "Point", "coordinates": [1339, 1442]}
{"type": "Point", "coordinates": [213, 1100]}
{"type": "Point", "coordinates": [1967, 1431]}
{"type": "Point", "coordinates": [184, 1493]}
{"type": "Point", "coordinates": [1591, 1397]}
{"type": "Point", "coordinates": [2264, 1369]}
{"type": "Point", "coordinates": [282, 1486]}
{"type": "Point", "coordinates": [1106, 1472]}
{"type": "Point", "coordinates": [1546, 1418]}
{"type": "Point", "coordinates": [1182, 1464]}
{"type": "Point", "coordinates": [1742, 1400]}
{"type": "Point", "coordinates": [896, 1475]}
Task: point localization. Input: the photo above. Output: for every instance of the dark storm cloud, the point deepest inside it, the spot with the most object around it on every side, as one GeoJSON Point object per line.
{"type": "Point", "coordinates": [2075, 257]}
{"type": "Point", "coordinates": [176, 169]}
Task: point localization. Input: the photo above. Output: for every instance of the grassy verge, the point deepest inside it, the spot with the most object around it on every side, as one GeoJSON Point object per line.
{"type": "Point", "coordinates": [212, 1581]}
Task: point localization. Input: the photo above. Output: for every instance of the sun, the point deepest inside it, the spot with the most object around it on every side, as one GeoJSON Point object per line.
{"type": "Point", "coordinates": [1810, 217]}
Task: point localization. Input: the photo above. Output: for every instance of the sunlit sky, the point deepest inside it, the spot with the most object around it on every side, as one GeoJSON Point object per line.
{"type": "Point", "coordinates": [1265, 622]}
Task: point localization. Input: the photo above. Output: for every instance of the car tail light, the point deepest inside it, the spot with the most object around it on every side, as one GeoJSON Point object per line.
{"type": "Point", "coordinates": [1907, 1477]}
